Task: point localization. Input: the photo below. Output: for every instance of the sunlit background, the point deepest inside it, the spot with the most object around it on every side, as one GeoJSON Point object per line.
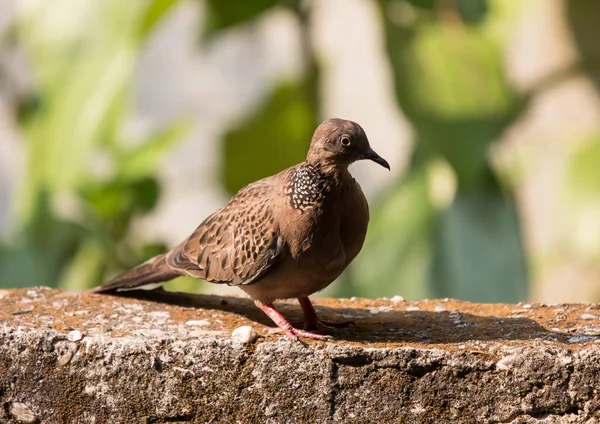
{"type": "Point", "coordinates": [123, 124]}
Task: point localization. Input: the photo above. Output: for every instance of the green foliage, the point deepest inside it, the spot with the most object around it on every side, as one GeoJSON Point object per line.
{"type": "Point", "coordinates": [154, 14]}
{"type": "Point", "coordinates": [223, 14]}
{"type": "Point", "coordinates": [283, 127]}
{"type": "Point", "coordinates": [398, 241]}
{"type": "Point", "coordinates": [581, 210]}
{"type": "Point", "coordinates": [472, 11]}
{"type": "Point", "coordinates": [37, 256]}
{"type": "Point", "coordinates": [450, 82]}
{"type": "Point", "coordinates": [582, 174]}
{"type": "Point", "coordinates": [84, 77]}
{"type": "Point", "coordinates": [479, 254]}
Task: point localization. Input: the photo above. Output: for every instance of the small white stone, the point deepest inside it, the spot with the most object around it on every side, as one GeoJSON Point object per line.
{"type": "Point", "coordinates": [418, 409]}
{"type": "Point", "coordinates": [374, 311]}
{"type": "Point", "coordinates": [198, 323]}
{"type": "Point", "coordinates": [396, 299]}
{"type": "Point", "coordinates": [153, 333]}
{"type": "Point", "coordinates": [384, 308]}
{"type": "Point", "coordinates": [353, 299]}
{"type": "Point", "coordinates": [159, 315]}
{"type": "Point", "coordinates": [439, 308]}
{"type": "Point", "coordinates": [33, 293]}
{"type": "Point", "coordinates": [244, 334]}
{"type": "Point", "coordinates": [589, 317]}
{"type": "Point", "coordinates": [412, 309]}
{"type": "Point", "coordinates": [506, 363]}
{"type": "Point", "coordinates": [65, 359]}
{"type": "Point", "coordinates": [527, 306]}
{"type": "Point", "coordinates": [22, 413]}
{"type": "Point", "coordinates": [74, 336]}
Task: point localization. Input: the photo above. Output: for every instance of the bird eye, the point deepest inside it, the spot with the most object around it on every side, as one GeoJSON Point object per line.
{"type": "Point", "coordinates": [344, 141]}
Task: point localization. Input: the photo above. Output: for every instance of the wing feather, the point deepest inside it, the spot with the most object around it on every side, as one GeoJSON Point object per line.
{"type": "Point", "coordinates": [236, 245]}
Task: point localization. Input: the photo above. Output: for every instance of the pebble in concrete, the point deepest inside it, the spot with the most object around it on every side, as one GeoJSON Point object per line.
{"type": "Point", "coordinates": [244, 334]}
{"type": "Point", "coordinates": [22, 413]}
{"type": "Point", "coordinates": [74, 336]}
{"type": "Point", "coordinates": [198, 323]}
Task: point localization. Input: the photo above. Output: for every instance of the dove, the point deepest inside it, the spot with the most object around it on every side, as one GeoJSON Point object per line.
{"type": "Point", "coordinates": [282, 237]}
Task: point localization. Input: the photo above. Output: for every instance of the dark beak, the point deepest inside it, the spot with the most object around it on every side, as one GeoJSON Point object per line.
{"type": "Point", "coordinates": [370, 154]}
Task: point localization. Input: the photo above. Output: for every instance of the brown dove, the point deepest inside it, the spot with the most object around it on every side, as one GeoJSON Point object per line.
{"type": "Point", "coordinates": [285, 236]}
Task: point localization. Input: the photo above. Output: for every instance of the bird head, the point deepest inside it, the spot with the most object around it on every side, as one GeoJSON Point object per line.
{"type": "Point", "coordinates": [340, 142]}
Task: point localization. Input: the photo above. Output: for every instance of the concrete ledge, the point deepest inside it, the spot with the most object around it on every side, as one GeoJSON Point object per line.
{"type": "Point", "coordinates": [78, 358]}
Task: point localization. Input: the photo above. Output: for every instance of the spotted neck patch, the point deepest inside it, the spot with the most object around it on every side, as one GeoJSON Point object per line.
{"type": "Point", "coordinates": [306, 187]}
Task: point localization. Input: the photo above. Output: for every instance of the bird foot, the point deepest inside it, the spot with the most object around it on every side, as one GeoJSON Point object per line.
{"type": "Point", "coordinates": [294, 333]}
{"type": "Point", "coordinates": [284, 326]}
{"type": "Point", "coordinates": [312, 320]}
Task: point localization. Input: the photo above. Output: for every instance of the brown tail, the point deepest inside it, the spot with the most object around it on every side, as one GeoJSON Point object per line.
{"type": "Point", "coordinates": [153, 271]}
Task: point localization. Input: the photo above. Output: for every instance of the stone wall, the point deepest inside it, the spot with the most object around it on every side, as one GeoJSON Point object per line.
{"type": "Point", "coordinates": [79, 358]}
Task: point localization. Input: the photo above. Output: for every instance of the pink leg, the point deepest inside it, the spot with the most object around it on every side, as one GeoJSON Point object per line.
{"type": "Point", "coordinates": [282, 323]}
{"type": "Point", "coordinates": [311, 320]}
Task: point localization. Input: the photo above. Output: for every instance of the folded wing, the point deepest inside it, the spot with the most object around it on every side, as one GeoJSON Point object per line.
{"type": "Point", "coordinates": [236, 245]}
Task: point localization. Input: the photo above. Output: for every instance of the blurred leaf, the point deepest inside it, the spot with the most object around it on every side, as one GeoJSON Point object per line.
{"type": "Point", "coordinates": [479, 254]}
{"type": "Point", "coordinates": [84, 85]}
{"type": "Point", "coordinates": [275, 138]}
{"type": "Point", "coordinates": [451, 83]}
{"type": "Point", "coordinates": [185, 284]}
{"type": "Point", "coordinates": [472, 11]}
{"type": "Point", "coordinates": [582, 17]}
{"type": "Point", "coordinates": [226, 13]}
{"type": "Point", "coordinates": [39, 256]}
{"type": "Point", "coordinates": [145, 193]}
{"type": "Point", "coordinates": [85, 268]}
{"type": "Point", "coordinates": [153, 249]}
{"type": "Point", "coordinates": [144, 160]}
{"type": "Point", "coordinates": [79, 84]}
{"type": "Point", "coordinates": [456, 73]}
{"type": "Point", "coordinates": [424, 4]}
{"type": "Point", "coordinates": [83, 56]}
{"type": "Point", "coordinates": [464, 144]}
{"type": "Point", "coordinates": [395, 257]}
{"type": "Point", "coordinates": [581, 205]}
{"type": "Point", "coordinates": [154, 14]}
{"type": "Point", "coordinates": [583, 175]}
{"type": "Point", "coordinates": [122, 198]}
{"type": "Point", "coordinates": [108, 200]}
{"type": "Point", "coordinates": [27, 108]}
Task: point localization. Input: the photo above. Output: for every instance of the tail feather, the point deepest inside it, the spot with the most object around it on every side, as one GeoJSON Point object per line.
{"type": "Point", "coordinates": [153, 271]}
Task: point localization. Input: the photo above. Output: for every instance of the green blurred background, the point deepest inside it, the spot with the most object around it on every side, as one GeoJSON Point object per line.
{"type": "Point", "coordinates": [123, 124]}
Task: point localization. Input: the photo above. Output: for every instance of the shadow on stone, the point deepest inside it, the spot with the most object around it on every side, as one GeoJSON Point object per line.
{"type": "Point", "coordinates": [423, 327]}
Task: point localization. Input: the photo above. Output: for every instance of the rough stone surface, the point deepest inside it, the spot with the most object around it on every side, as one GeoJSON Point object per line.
{"type": "Point", "coordinates": [432, 361]}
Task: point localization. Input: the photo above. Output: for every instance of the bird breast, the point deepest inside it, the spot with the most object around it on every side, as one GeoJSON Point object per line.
{"type": "Point", "coordinates": [321, 240]}
{"type": "Point", "coordinates": [326, 220]}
